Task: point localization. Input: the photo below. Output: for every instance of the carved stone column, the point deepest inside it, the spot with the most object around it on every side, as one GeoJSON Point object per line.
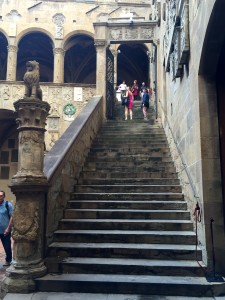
{"type": "Point", "coordinates": [11, 63]}
{"type": "Point", "coordinates": [101, 68]}
{"type": "Point", "coordinates": [59, 65]}
{"type": "Point", "coordinates": [30, 186]}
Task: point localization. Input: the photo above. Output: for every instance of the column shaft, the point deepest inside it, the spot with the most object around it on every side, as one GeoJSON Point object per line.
{"type": "Point", "coordinates": [11, 63]}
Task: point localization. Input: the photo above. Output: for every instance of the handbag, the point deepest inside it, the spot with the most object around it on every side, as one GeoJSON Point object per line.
{"type": "Point", "coordinates": [125, 101]}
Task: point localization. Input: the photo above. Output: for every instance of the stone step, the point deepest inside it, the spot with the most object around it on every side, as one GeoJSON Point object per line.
{"type": "Point", "coordinates": [137, 204]}
{"type": "Point", "coordinates": [115, 156]}
{"type": "Point", "coordinates": [135, 175]}
{"type": "Point", "coordinates": [129, 143]}
{"type": "Point", "coordinates": [127, 196]}
{"type": "Point", "coordinates": [83, 265]}
{"type": "Point", "coordinates": [126, 284]}
{"type": "Point", "coordinates": [124, 250]}
{"type": "Point", "coordinates": [129, 164]}
{"type": "Point", "coordinates": [126, 214]}
{"type": "Point", "coordinates": [153, 150]}
{"type": "Point", "coordinates": [110, 157]}
{"type": "Point", "coordinates": [118, 224]}
{"type": "Point", "coordinates": [130, 168]}
{"type": "Point", "coordinates": [125, 236]}
{"type": "Point", "coordinates": [115, 188]}
{"type": "Point", "coordinates": [106, 181]}
{"type": "Point", "coordinates": [107, 139]}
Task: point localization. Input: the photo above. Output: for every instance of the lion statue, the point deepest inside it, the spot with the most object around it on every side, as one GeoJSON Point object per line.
{"type": "Point", "coordinates": [31, 80]}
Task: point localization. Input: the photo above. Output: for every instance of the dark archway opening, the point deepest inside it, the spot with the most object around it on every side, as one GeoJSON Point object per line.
{"type": "Point", "coordinates": [220, 83]}
{"type": "Point", "coordinates": [80, 60]}
{"type": "Point", "coordinates": [132, 63]}
{"type": "Point", "coordinates": [36, 46]}
{"type": "Point", "coordinates": [3, 56]}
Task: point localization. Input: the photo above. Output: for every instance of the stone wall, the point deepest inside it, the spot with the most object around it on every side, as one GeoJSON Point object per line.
{"type": "Point", "coordinates": [189, 116]}
{"type": "Point", "coordinates": [66, 101]}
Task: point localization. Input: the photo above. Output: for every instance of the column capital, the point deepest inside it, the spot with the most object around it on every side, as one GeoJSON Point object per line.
{"type": "Point", "coordinates": [100, 43]}
{"type": "Point", "coordinates": [59, 51]}
{"type": "Point", "coordinates": [12, 48]}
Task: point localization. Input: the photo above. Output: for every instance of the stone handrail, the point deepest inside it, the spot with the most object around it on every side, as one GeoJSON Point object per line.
{"type": "Point", "coordinates": [63, 164]}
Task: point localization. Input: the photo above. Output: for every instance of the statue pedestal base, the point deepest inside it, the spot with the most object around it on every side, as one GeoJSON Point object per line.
{"type": "Point", "coordinates": [20, 279]}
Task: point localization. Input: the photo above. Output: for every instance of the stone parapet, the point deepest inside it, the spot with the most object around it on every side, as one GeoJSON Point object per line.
{"type": "Point", "coordinates": [63, 164]}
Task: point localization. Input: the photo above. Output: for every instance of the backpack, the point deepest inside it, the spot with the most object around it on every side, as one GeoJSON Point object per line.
{"type": "Point", "coordinates": [7, 207]}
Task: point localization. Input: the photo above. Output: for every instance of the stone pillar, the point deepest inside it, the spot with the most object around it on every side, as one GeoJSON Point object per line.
{"type": "Point", "coordinates": [101, 69]}
{"type": "Point", "coordinates": [11, 63]}
{"type": "Point", "coordinates": [59, 65]}
{"type": "Point", "coordinates": [30, 186]}
{"type": "Point", "coordinates": [114, 52]}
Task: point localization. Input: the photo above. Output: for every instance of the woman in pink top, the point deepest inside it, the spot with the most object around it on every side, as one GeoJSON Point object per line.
{"type": "Point", "coordinates": [129, 106]}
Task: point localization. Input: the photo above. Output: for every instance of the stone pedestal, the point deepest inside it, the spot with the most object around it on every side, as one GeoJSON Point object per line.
{"type": "Point", "coordinates": [30, 186]}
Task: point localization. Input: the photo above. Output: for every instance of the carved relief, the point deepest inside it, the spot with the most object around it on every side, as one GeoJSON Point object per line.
{"type": "Point", "coordinates": [31, 149]}
{"type": "Point", "coordinates": [53, 123]}
{"type": "Point", "coordinates": [115, 34]}
{"type": "Point", "coordinates": [25, 228]}
{"type": "Point", "coordinates": [17, 92]}
{"type": "Point", "coordinates": [67, 94]}
{"type": "Point", "coordinates": [59, 32]}
{"type": "Point", "coordinates": [5, 92]}
{"type": "Point", "coordinates": [176, 39]}
{"type": "Point", "coordinates": [147, 33]}
{"type": "Point", "coordinates": [55, 93]}
{"type": "Point", "coordinates": [131, 33]}
{"type": "Point", "coordinates": [59, 19]}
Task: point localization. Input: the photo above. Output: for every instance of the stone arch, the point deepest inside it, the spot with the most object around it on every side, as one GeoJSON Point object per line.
{"type": "Point", "coordinates": [132, 63]}
{"type": "Point", "coordinates": [30, 30]}
{"type": "Point", "coordinates": [74, 33]}
{"type": "Point", "coordinates": [211, 103]}
{"type": "Point", "coordinates": [36, 45]}
{"type": "Point", "coordinates": [3, 56]}
{"type": "Point", "coordinates": [80, 59]}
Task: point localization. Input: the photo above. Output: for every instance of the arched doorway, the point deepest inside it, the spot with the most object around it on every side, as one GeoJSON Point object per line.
{"type": "Point", "coordinates": [80, 60]}
{"type": "Point", "coordinates": [3, 56]}
{"type": "Point", "coordinates": [132, 63]}
{"type": "Point", "coordinates": [36, 46]}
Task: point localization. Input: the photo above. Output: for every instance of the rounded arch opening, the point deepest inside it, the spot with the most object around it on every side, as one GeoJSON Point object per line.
{"type": "Point", "coordinates": [80, 60]}
{"type": "Point", "coordinates": [3, 56]}
{"type": "Point", "coordinates": [132, 63]}
{"type": "Point", "coordinates": [36, 46]}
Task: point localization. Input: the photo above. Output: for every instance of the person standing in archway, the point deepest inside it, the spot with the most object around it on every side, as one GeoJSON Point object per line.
{"type": "Point", "coordinates": [123, 89]}
{"type": "Point", "coordinates": [143, 87]}
{"type": "Point", "coordinates": [134, 90]}
{"type": "Point", "coordinates": [129, 105]}
{"type": "Point", "coordinates": [145, 103]}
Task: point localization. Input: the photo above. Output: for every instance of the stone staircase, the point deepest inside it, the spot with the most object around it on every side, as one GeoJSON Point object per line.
{"type": "Point", "coordinates": [126, 229]}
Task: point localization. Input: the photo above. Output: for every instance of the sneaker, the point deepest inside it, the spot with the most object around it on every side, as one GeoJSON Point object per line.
{"type": "Point", "coordinates": [7, 263]}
